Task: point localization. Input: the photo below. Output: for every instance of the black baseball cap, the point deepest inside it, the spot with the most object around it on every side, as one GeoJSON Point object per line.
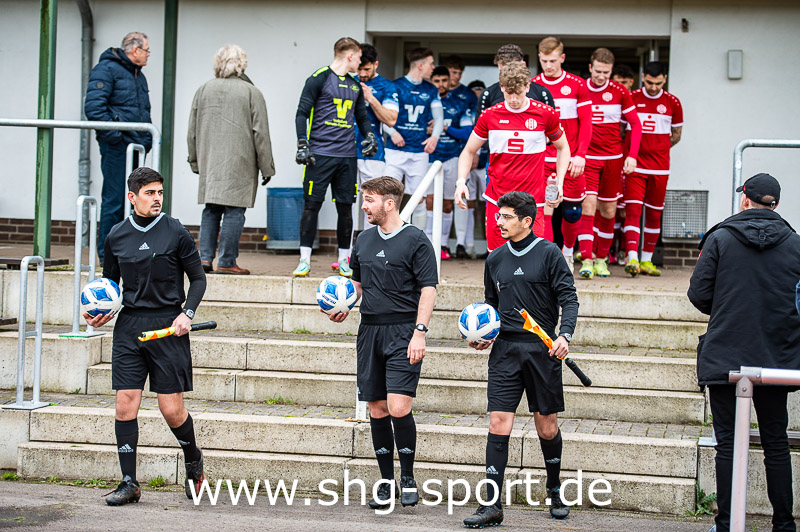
{"type": "Point", "coordinates": [761, 185]}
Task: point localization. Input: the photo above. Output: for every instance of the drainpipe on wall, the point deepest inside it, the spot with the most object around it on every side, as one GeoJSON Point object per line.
{"type": "Point", "coordinates": [87, 42]}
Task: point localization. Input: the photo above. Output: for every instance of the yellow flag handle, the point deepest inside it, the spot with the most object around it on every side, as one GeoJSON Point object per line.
{"type": "Point", "coordinates": [169, 331]}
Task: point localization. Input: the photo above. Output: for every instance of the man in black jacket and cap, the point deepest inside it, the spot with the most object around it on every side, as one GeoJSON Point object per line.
{"type": "Point", "coordinates": [744, 279]}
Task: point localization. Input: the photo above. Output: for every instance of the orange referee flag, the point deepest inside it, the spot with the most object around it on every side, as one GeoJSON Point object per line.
{"type": "Point", "coordinates": [531, 326]}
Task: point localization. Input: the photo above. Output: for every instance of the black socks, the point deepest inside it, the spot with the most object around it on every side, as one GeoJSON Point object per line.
{"type": "Point", "coordinates": [127, 433]}
{"type": "Point", "coordinates": [383, 443]}
{"type": "Point", "coordinates": [405, 436]}
{"type": "Point", "coordinates": [551, 450]}
{"type": "Point", "coordinates": [496, 460]}
{"type": "Point", "coordinates": [186, 439]}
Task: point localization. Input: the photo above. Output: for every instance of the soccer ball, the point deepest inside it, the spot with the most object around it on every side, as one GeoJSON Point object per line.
{"type": "Point", "coordinates": [336, 294]}
{"type": "Point", "coordinates": [479, 322]}
{"type": "Point", "coordinates": [100, 297]}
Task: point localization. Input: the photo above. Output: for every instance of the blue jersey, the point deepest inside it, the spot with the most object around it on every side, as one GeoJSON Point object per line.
{"type": "Point", "coordinates": [467, 97]}
{"type": "Point", "coordinates": [415, 102]}
{"type": "Point", "coordinates": [456, 114]}
{"type": "Point", "coordinates": [384, 92]}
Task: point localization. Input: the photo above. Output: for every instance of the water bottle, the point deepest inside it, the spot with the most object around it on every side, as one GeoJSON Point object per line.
{"type": "Point", "coordinates": [551, 191]}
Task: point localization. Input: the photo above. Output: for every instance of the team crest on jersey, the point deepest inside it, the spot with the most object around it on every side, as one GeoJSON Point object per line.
{"type": "Point", "coordinates": [354, 87]}
{"type": "Point", "coordinates": [424, 96]}
{"type": "Point", "coordinates": [452, 111]}
{"type": "Point", "coordinates": [565, 90]}
{"type": "Point", "coordinates": [607, 96]}
{"type": "Point", "coordinates": [661, 108]}
{"type": "Point", "coordinates": [530, 124]}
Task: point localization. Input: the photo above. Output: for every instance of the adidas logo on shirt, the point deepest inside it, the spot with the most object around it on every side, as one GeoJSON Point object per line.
{"type": "Point", "coordinates": [382, 450]}
{"type": "Point", "coordinates": [405, 450]}
{"type": "Point", "coordinates": [519, 272]}
{"type": "Point", "coordinates": [555, 460]}
{"type": "Point", "coordinates": [381, 254]}
{"type": "Point", "coordinates": [125, 449]}
{"type": "Point", "coordinates": [144, 246]}
{"type": "Point", "coordinates": [491, 470]}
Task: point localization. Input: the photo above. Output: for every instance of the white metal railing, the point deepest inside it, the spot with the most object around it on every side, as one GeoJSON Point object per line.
{"type": "Point", "coordinates": [435, 176]}
{"type": "Point", "coordinates": [738, 153]}
{"type": "Point", "coordinates": [138, 148]}
{"type": "Point", "coordinates": [79, 267]}
{"type": "Point", "coordinates": [745, 379]}
{"type": "Point", "coordinates": [20, 404]}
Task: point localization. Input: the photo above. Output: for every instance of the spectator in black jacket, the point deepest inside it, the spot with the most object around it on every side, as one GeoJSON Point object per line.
{"type": "Point", "coordinates": [117, 92]}
{"type": "Point", "coordinates": [744, 278]}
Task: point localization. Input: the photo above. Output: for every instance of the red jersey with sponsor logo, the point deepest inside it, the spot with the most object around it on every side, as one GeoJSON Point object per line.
{"type": "Point", "coordinates": [517, 142]}
{"type": "Point", "coordinates": [573, 105]}
{"type": "Point", "coordinates": [609, 103]}
{"type": "Point", "coordinates": [658, 115]}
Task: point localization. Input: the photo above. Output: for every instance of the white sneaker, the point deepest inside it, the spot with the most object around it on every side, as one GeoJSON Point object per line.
{"type": "Point", "coordinates": [570, 261]}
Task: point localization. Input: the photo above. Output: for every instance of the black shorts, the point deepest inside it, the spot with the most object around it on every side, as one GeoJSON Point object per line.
{"type": "Point", "coordinates": [382, 362]}
{"type": "Point", "coordinates": [338, 172]}
{"type": "Point", "coordinates": [515, 367]}
{"type": "Point", "coordinates": [168, 361]}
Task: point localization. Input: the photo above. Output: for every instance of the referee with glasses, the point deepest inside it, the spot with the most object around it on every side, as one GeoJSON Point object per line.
{"type": "Point", "coordinates": [394, 269]}
{"type": "Point", "coordinates": [151, 252]}
{"type": "Point", "coordinates": [526, 273]}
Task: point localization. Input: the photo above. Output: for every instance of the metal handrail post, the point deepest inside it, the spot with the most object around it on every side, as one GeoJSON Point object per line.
{"type": "Point", "coordinates": [438, 197]}
{"type": "Point", "coordinates": [23, 335]}
{"type": "Point", "coordinates": [738, 154]}
{"type": "Point", "coordinates": [745, 379]}
{"type": "Point", "coordinates": [138, 148]}
{"type": "Point", "coordinates": [79, 267]}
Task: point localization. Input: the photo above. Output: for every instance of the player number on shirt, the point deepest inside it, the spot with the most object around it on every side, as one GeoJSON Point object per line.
{"type": "Point", "coordinates": [414, 111]}
{"type": "Point", "coordinates": [342, 106]}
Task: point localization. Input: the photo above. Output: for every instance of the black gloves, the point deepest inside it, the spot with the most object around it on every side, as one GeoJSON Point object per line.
{"type": "Point", "coordinates": [369, 146]}
{"type": "Point", "coordinates": [304, 155]}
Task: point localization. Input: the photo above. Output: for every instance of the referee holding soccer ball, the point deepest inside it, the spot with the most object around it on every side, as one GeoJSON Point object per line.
{"type": "Point", "coordinates": [151, 252]}
{"type": "Point", "coordinates": [526, 273]}
{"type": "Point", "coordinates": [394, 268]}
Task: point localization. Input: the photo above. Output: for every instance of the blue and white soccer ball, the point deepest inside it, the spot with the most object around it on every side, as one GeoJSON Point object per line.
{"type": "Point", "coordinates": [336, 294]}
{"type": "Point", "coordinates": [100, 297]}
{"type": "Point", "coordinates": [479, 322]}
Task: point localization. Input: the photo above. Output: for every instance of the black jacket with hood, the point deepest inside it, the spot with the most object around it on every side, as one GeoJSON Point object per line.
{"type": "Point", "coordinates": [745, 279]}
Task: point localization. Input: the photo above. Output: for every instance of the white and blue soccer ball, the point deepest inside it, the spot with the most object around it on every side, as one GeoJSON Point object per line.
{"type": "Point", "coordinates": [336, 294]}
{"type": "Point", "coordinates": [100, 297]}
{"type": "Point", "coordinates": [479, 322]}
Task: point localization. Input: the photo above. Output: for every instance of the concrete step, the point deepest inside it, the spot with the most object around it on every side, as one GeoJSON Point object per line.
{"type": "Point", "coordinates": [457, 363]}
{"type": "Point", "coordinates": [331, 437]}
{"type": "Point", "coordinates": [609, 303]}
{"type": "Point", "coordinates": [444, 324]}
{"type": "Point", "coordinates": [65, 460]}
{"type": "Point", "coordinates": [440, 395]}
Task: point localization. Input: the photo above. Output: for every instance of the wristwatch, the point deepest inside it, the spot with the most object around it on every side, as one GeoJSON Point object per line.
{"type": "Point", "coordinates": [567, 337]}
{"type": "Point", "coordinates": [421, 327]}
{"type": "Point", "coordinates": [189, 312]}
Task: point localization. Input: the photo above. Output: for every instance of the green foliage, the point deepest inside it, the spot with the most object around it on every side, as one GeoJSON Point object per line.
{"type": "Point", "coordinates": [703, 503]}
{"type": "Point", "coordinates": [92, 483]}
{"type": "Point", "coordinates": [280, 400]}
{"type": "Point", "coordinates": [157, 482]}
{"type": "Point", "coordinates": [10, 476]}
{"type": "Point", "coordinates": [301, 331]}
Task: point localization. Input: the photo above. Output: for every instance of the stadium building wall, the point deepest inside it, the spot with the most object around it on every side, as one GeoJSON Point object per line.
{"type": "Point", "coordinates": [286, 41]}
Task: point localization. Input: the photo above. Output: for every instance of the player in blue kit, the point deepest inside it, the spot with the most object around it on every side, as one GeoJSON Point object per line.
{"type": "Point", "coordinates": [409, 144]}
{"type": "Point", "coordinates": [455, 65]}
{"type": "Point", "coordinates": [457, 127]}
{"type": "Point", "coordinates": [382, 107]}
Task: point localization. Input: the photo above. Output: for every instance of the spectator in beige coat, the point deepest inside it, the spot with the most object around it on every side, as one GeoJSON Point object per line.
{"type": "Point", "coordinates": [228, 144]}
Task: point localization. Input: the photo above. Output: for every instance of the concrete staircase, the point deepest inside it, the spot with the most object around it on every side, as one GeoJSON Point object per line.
{"type": "Point", "coordinates": [273, 344]}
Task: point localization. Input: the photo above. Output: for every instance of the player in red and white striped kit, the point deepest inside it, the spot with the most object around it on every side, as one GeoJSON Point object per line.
{"type": "Point", "coordinates": [517, 131]}
{"type": "Point", "coordinates": [661, 115]}
{"type": "Point", "coordinates": [604, 162]}
{"type": "Point", "coordinates": [574, 107]}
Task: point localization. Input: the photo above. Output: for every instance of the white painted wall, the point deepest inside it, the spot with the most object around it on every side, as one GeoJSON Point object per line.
{"type": "Point", "coordinates": [287, 41]}
{"type": "Point", "coordinates": [720, 112]}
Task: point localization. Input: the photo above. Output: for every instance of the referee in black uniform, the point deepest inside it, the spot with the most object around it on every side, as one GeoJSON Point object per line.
{"type": "Point", "coordinates": [331, 101]}
{"type": "Point", "coordinates": [527, 273]}
{"type": "Point", "coordinates": [394, 269]}
{"type": "Point", "coordinates": [151, 251]}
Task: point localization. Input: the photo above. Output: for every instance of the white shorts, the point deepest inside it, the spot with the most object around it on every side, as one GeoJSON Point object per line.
{"type": "Point", "coordinates": [369, 169]}
{"type": "Point", "coordinates": [411, 166]}
{"type": "Point", "coordinates": [450, 171]}
{"type": "Point", "coordinates": [476, 183]}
